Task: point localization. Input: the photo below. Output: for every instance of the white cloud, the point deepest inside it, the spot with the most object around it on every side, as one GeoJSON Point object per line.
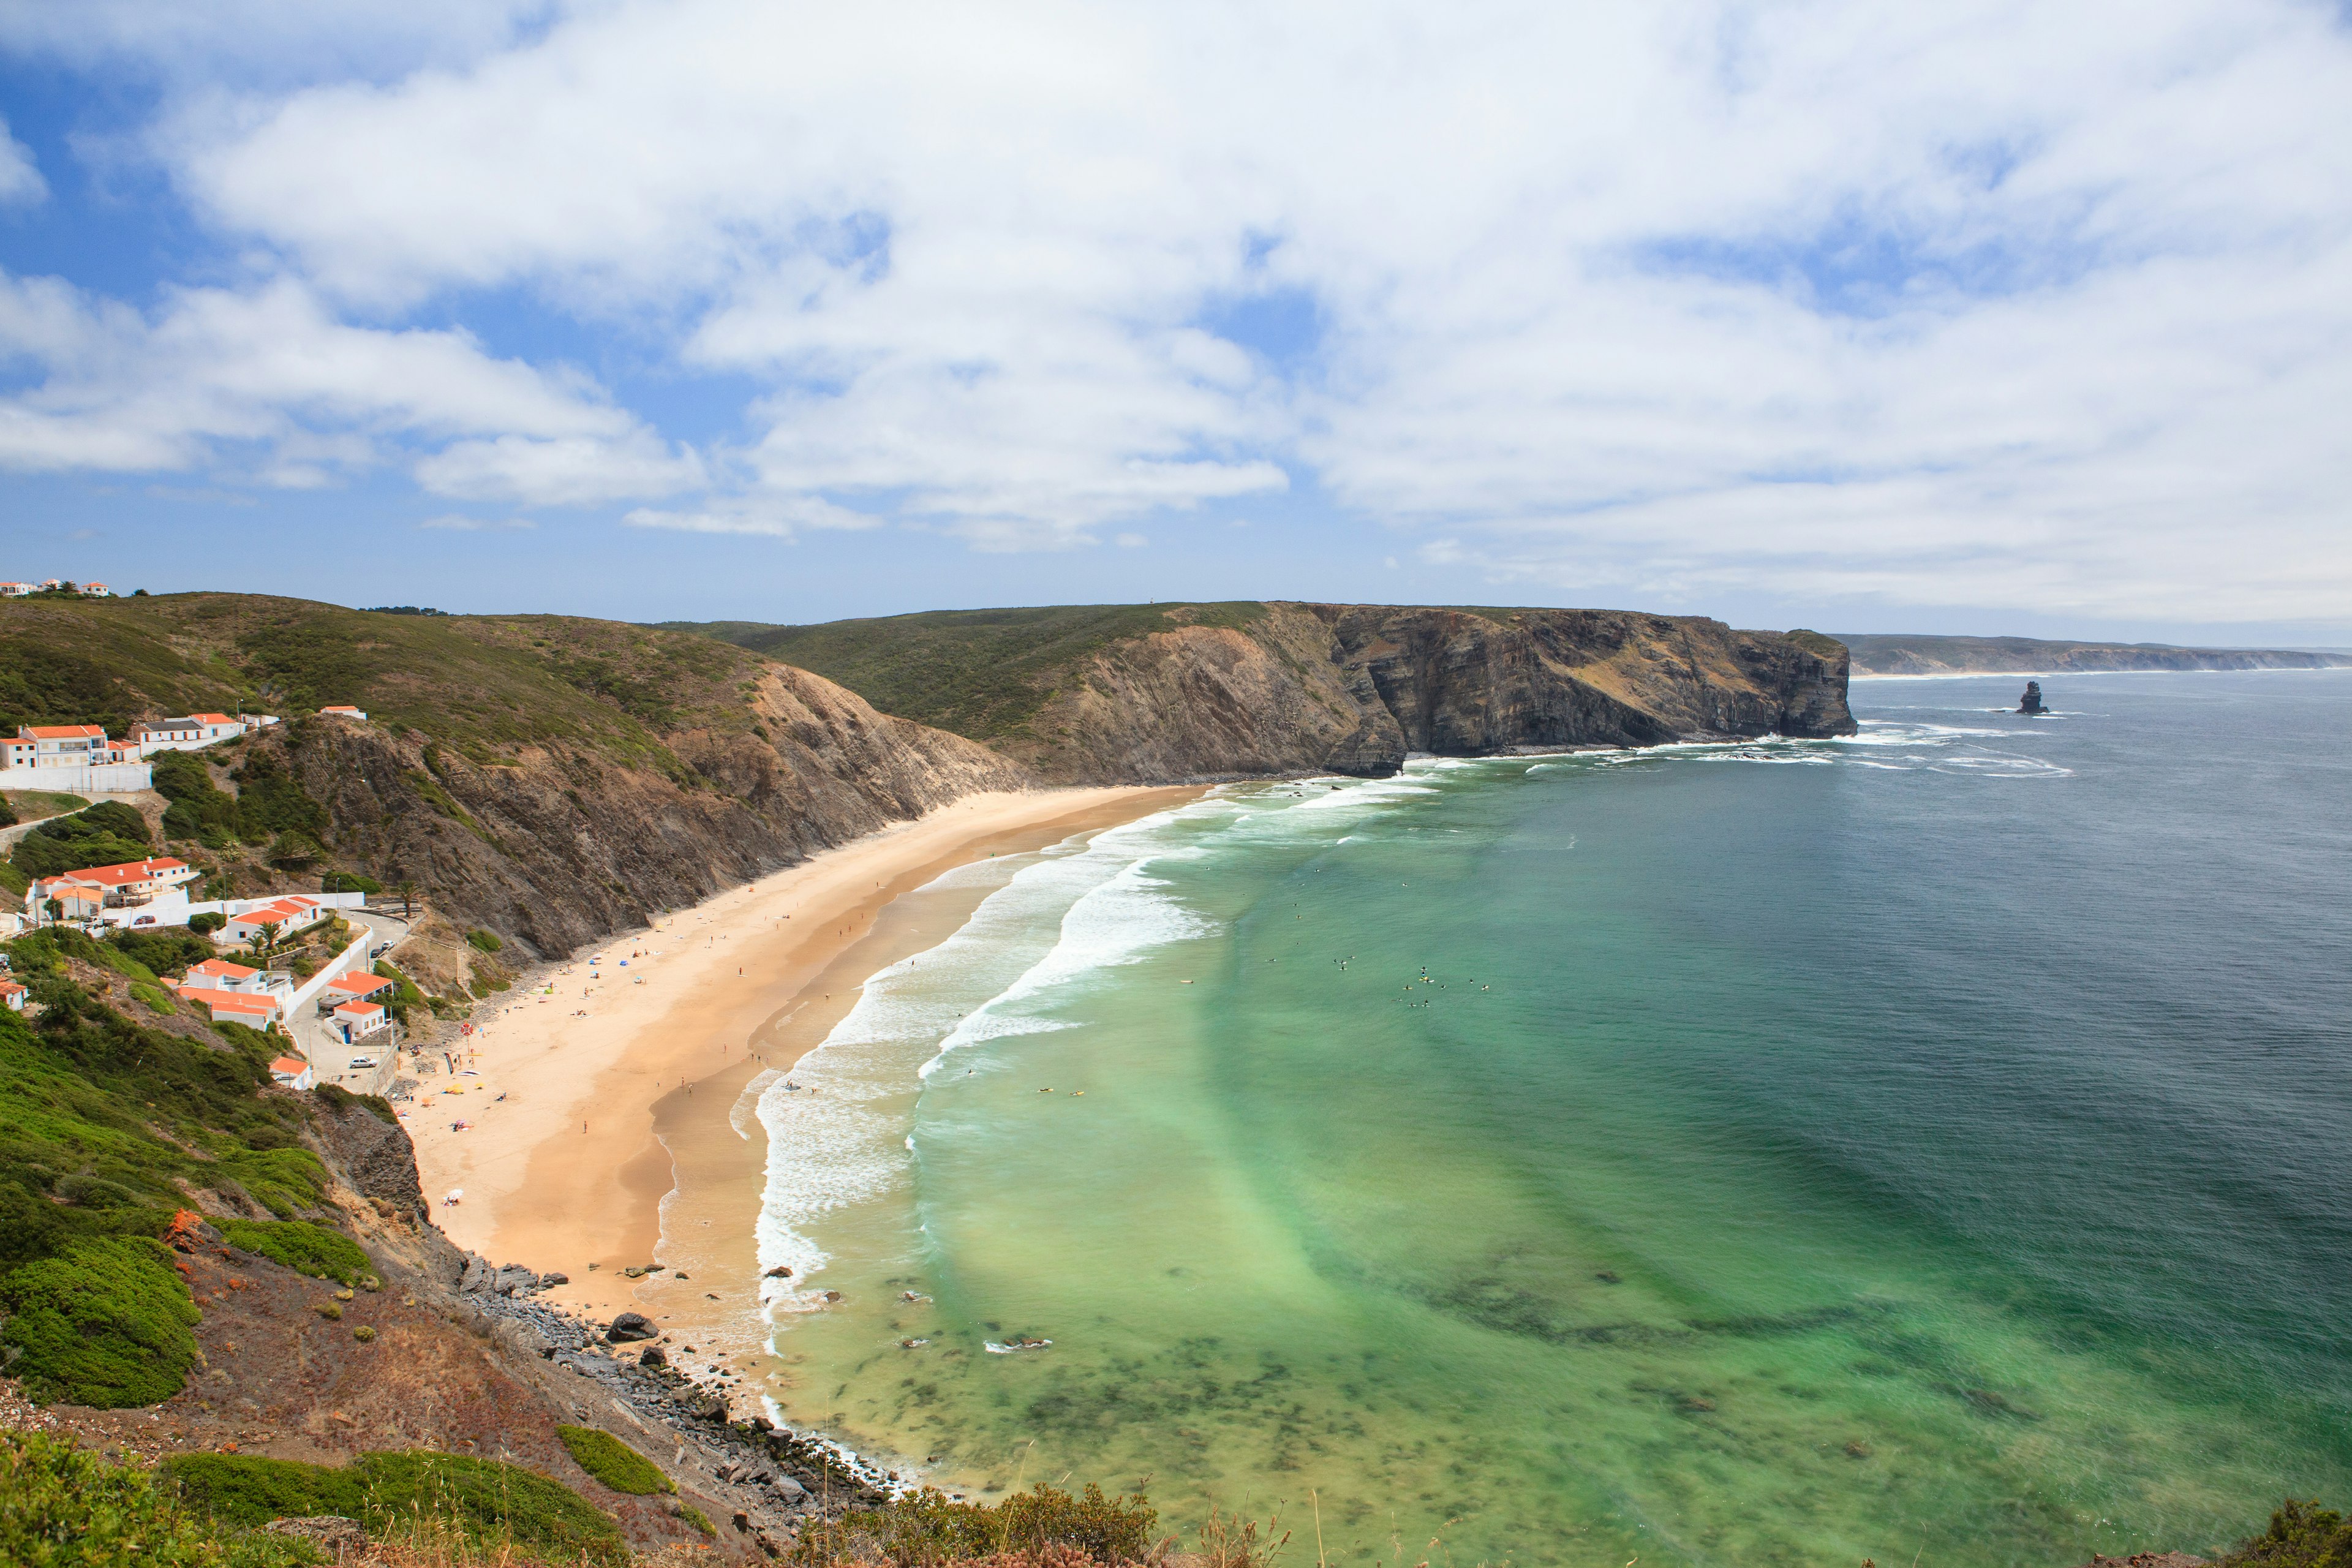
{"type": "Point", "coordinates": [20, 177]}
{"type": "Point", "coordinates": [1979, 302]}
{"type": "Point", "coordinates": [776, 517]}
{"type": "Point", "coordinates": [217, 372]}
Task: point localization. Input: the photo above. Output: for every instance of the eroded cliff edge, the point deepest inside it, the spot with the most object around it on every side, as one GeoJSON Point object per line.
{"type": "Point", "coordinates": [1194, 692]}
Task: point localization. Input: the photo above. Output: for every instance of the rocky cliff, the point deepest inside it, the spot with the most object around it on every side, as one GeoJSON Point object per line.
{"type": "Point", "coordinates": [560, 844]}
{"type": "Point", "coordinates": [1227, 691]}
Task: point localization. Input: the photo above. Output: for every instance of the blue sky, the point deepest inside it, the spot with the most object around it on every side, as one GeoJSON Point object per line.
{"type": "Point", "coordinates": [1994, 318]}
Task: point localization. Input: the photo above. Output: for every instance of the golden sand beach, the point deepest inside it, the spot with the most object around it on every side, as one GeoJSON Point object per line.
{"type": "Point", "coordinates": [597, 1131]}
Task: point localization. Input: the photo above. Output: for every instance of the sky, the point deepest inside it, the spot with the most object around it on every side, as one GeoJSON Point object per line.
{"type": "Point", "coordinates": [1987, 316]}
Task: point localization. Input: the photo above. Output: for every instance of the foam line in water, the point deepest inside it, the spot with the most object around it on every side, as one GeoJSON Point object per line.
{"type": "Point", "coordinates": [836, 1121]}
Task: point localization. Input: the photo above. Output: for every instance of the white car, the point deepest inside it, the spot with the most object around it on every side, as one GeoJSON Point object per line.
{"type": "Point", "coordinates": [362, 1061]}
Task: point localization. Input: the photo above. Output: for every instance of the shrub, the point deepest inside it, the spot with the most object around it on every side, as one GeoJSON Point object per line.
{"type": "Point", "coordinates": [62, 1507]}
{"type": "Point", "coordinates": [928, 1527]}
{"type": "Point", "coordinates": [392, 1491]}
{"type": "Point", "coordinates": [348, 882]}
{"type": "Point", "coordinates": [2302, 1535]}
{"type": "Point", "coordinates": [487, 941]}
{"type": "Point", "coordinates": [163, 948]}
{"type": "Point", "coordinates": [206, 923]}
{"type": "Point", "coordinates": [697, 1518]}
{"type": "Point", "coordinates": [300, 1245]}
{"type": "Point", "coordinates": [199, 809]}
{"type": "Point", "coordinates": [269, 801]}
{"type": "Point", "coordinates": [613, 1462]}
{"type": "Point", "coordinates": [104, 1323]}
{"type": "Point", "coordinates": [157, 999]}
{"type": "Point", "coordinates": [106, 834]}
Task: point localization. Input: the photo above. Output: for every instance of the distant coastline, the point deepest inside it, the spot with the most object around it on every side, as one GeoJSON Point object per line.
{"type": "Point", "coordinates": [1881, 655]}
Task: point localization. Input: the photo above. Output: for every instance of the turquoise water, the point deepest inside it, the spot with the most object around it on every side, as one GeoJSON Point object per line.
{"type": "Point", "coordinates": [1925, 1145]}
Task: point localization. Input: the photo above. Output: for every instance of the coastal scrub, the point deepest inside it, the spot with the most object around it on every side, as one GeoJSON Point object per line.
{"type": "Point", "coordinates": [613, 1462]}
{"type": "Point", "coordinates": [300, 1245]}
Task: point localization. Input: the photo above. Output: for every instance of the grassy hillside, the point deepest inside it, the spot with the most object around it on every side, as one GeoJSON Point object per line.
{"type": "Point", "coordinates": [980, 673]}
{"type": "Point", "coordinates": [486, 685]}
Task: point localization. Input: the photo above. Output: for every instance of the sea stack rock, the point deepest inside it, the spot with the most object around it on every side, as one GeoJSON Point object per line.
{"type": "Point", "coordinates": [2032, 701]}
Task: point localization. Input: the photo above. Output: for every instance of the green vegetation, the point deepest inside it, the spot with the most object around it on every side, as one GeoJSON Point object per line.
{"type": "Point", "coordinates": [304, 1247]}
{"type": "Point", "coordinates": [406, 994]}
{"type": "Point", "coordinates": [613, 1462]}
{"type": "Point", "coordinates": [981, 673]}
{"type": "Point", "coordinates": [348, 882]}
{"type": "Point", "coordinates": [485, 940]}
{"type": "Point", "coordinates": [62, 1507]}
{"type": "Point", "coordinates": [269, 801]}
{"type": "Point", "coordinates": [488, 1502]}
{"type": "Point", "coordinates": [2302, 1535]}
{"type": "Point", "coordinates": [161, 950]}
{"type": "Point", "coordinates": [697, 1518]}
{"type": "Point", "coordinates": [102, 1119]}
{"type": "Point", "coordinates": [33, 804]}
{"type": "Point", "coordinates": [155, 998]}
{"type": "Point", "coordinates": [199, 809]}
{"type": "Point", "coordinates": [928, 1528]}
{"type": "Point", "coordinates": [104, 1323]}
{"type": "Point", "coordinates": [106, 834]}
{"type": "Point", "coordinates": [206, 923]}
{"type": "Point", "coordinates": [485, 687]}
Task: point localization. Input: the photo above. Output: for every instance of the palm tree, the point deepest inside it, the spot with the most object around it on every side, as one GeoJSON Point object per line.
{"type": "Point", "coordinates": [265, 937]}
{"type": "Point", "coordinates": [56, 909]}
{"type": "Point", "coordinates": [406, 889]}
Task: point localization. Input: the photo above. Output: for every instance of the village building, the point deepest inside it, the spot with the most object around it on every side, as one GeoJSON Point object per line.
{"type": "Point", "coordinates": [256, 1011]}
{"type": "Point", "coordinates": [15, 590]}
{"type": "Point", "coordinates": [286, 914]}
{"type": "Point", "coordinates": [154, 887]}
{"type": "Point", "coordinates": [358, 1020]}
{"type": "Point", "coordinates": [356, 986]}
{"type": "Point", "coordinates": [293, 1072]}
{"type": "Point", "coordinates": [76, 758]}
{"type": "Point", "coordinates": [12, 995]}
{"type": "Point", "coordinates": [342, 710]}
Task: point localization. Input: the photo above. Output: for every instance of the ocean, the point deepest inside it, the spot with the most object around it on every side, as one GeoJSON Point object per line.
{"type": "Point", "coordinates": [1926, 1147]}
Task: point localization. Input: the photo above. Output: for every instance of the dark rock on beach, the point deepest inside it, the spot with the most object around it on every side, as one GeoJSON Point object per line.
{"type": "Point", "coordinates": [2032, 701]}
{"type": "Point", "coordinates": [631, 1326]}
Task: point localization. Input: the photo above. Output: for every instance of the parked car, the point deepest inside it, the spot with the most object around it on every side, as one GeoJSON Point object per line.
{"type": "Point", "coordinates": [362, 1062]}
{"type": "Point", "coordinates": [143, 921]}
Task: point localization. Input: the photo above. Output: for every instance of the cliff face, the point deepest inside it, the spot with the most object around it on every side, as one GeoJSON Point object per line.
{"type": "Point", "coordinates": [1356, 688]}
{"type": "Point", "coordinates": [562, 845]}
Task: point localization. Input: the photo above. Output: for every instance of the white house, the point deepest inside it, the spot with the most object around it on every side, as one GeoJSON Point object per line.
{"type": "Point", "coordinates": [256, 1011]}
{"type": "Point", "coordinates": [358, 1020]}
{"type": "Point", "coordinates": [96, 591]}
{"type": "Point", "coordinates": [356, 986]}
{"type": "Point", "coordinates": [293, 1072]}
{"type": "Point", "coordinates": [184, 734]}
{"type": "Point", "coordinates": [287, 914]}
{"type": "Point", "coordinates": [14, 590]}
{"type": "Point", "coordinates": [12, 995]}
{"type": "Point", "coordinates": [342, 710]}
{"type": "Point", "coordinates": [78, 758]}
{"type": "Point", "coordinates": [150, 885]}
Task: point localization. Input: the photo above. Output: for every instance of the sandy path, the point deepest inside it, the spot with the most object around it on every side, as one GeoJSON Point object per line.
{"type": "Point", "coordinates": [566, 1172]}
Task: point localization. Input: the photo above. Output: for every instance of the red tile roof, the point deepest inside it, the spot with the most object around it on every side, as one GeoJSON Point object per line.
{"type": "Point", "coordinates": [221, 968]}
{"type": "Point", "coordinates": [128, 871]}
{"type": "Point", "coordinates": [212, 717]}
{"type": "Point", "coordinates": [359, 984]}
{"type": "Point", "coordinates": [65, 731]}
{"type": "Point", "coordinates": [358, 1010]}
